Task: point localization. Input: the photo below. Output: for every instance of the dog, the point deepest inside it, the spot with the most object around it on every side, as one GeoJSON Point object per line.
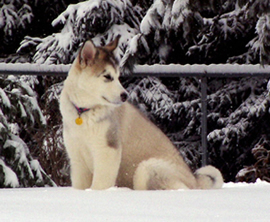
{"type": "Point", "coordinates": [110, 142]}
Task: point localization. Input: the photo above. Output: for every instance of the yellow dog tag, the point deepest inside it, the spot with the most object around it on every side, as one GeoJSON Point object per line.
{"type": "Point", "coordinates": [79, 121]}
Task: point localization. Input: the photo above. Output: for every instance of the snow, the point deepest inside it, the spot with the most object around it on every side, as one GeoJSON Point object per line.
{"type": "Point", "coordinates": [23, 112]}
{"type": "Point", "coordinates": [151, 18]}
{"type": "Point", "coordinates": [4, 99]}
{"type": "Point", "coordinates": [133, 45]}
{"type": "Point", "coordinates": [234, 202]}
{"type": "Point", "coordinates": [179, 6]}
{"type": "Point", "coordinates": [32, 69]}
{"type": "Point", "coordinates": [213, 70]}
{"type": "Point", "coordinates": [80, 10]}
{"type": "Point", "coordinates": [11, 178]}
{"type": "Point", "coordinates": [14, 128]}
{"type": "Point", "coordinates": [20, 155]}
{"type": "Point", "coordinates": [33, 105]}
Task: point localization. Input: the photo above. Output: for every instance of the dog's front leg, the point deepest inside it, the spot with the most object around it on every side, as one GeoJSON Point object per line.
{"type": "Point", "coordinates": [81, 177]}
{"type": "Point", "coordinates": [106, 165]}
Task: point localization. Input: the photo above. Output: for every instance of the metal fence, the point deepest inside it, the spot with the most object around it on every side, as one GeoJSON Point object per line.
{"type": "Point", "coordinates": [203, 72]}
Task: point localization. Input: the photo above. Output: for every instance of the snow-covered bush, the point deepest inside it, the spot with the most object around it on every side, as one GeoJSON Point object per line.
{"type": "Point", "coordinates": [100, 20]}
{"type": "Point", "coordinates": [258, 47]}
{"type": "Point", "coordinates": [261, 168]}
{"type": "Point", "coordinates": [213, 31]}
{"type": "Point", "coordinates": [238, 118]}
{"type": "Point", "coordinates": [14, 16]}
{"type": "Point", "coordinates": [52, 155]}
{"type": "Point", "coordinates": [151, 94]}
{"type": "Point", "coordinates": [20, 117]}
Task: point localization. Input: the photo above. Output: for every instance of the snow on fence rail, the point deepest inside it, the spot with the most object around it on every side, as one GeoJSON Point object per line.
{"type": "Point", "coordinates": [172, 70]}
{"type": "Point", "coordinates": [213, 70]}
{"type": "Point", "coordinates": [33, 69]}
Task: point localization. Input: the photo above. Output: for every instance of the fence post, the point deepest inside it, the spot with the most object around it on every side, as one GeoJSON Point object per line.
{"type": "Point", "coordinates": [204, 120]}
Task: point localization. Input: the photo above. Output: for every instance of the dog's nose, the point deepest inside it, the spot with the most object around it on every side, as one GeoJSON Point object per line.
{"type": "Point", "coordinates": [124, 96]}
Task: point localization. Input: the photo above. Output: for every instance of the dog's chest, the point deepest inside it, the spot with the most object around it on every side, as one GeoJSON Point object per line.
{"type": "Point", "coordinates": [97, 127]}
{"type": "Point", "coordinates": [92, 134]}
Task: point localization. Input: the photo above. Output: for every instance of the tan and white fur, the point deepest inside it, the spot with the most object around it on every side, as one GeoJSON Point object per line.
{"type": "Point", "coordinates": [116, 145]}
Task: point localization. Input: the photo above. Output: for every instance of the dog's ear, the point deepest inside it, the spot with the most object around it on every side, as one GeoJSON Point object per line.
{"type": "Point", "coordinates": [87, 53]}
{"type": "Point", "coordinates": [113, 44]}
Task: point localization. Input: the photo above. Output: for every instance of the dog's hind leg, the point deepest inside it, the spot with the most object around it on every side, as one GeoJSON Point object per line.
{"type": "Point", "coordinates": [157, 174]}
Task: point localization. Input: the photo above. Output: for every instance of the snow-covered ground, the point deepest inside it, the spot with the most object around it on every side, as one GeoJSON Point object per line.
{"type": "Point", "coordinates": [232, 203]}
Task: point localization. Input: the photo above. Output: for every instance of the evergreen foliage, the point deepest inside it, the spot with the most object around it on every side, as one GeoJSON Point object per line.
{"type": "Point", "coordinates": [99, 20]}
{"type": "Point", "coordinates": [213, 31]}
{"type": "Point", "coordinates": [20, 118]}
{"type": "Point", "coordinates": [15, 17]}
{"type": "Point", "coordinates": [261, 168]}
{"type": "Point", "coordinates": [52, 155]}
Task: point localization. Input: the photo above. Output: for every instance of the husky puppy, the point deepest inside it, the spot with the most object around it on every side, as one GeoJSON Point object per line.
{"type": "Point", "coordinates": [110, 142]}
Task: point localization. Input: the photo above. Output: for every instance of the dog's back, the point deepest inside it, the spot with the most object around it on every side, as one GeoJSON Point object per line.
{"type": "Point", "coordinates": [149, 159]}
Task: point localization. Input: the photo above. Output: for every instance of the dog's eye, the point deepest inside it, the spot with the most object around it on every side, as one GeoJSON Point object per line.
{"type": "Point", "coordinates": [108, 77]}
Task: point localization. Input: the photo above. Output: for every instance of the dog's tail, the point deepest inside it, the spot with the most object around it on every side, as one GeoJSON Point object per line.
{"type": "Point", "coordinates": [209, 177]}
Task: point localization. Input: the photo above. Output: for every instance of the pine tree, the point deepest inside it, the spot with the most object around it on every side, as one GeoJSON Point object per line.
{"type": "Point", "coordinates": [260, 169]}
{"type": "Point", "coordinates": [98, 20]}
{"type": "Point", "coordinates": [20, 117]}
{"type": "Point", "coordinates": [52, 154]}
{"type": "Point", "coordinates": [15, 17]}
{"type": "Point", "coordinates": [214, 31]}
{"type": "Point", "coordinates": [24, 17]}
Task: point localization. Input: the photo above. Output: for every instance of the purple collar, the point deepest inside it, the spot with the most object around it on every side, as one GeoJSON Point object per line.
{"type": "Point", "coordinates": [81, 110]}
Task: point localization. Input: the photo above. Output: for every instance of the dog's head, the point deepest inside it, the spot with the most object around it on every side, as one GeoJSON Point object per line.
{"type": "Point", "coordinates": [97, 71]}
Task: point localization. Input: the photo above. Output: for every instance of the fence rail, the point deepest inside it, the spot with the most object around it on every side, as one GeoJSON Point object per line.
{"type": "Point", "coordinates": [200, 71]}
{"type": "Point", "coordinates": [213, 70]}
